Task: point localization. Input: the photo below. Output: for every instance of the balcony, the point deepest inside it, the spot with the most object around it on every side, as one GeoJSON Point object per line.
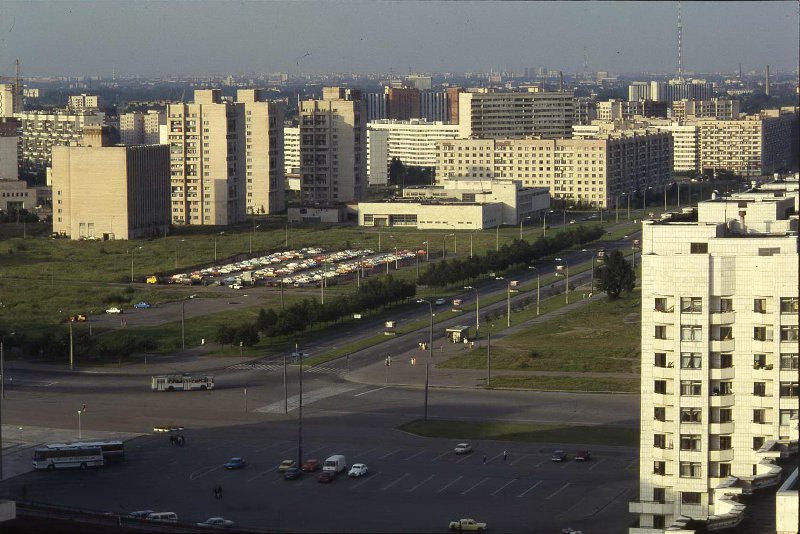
{"type": "Point", "coordinates": [721, 456]}
{"type": "Point", "coordinates": [721, 428]}
{"type": "Point", "coordinates": [722, 401]}
{"type": "Point", "coordinates": [651, 507]}
{"type": "Point", "coordinates": [663, 427]}
{"type": "Point", "coordinates": [659, 454]}
{"type": "Point", "coordinates": [727, 373]}
{"type": "Point", "coordinates": [722, 345]}
{"type": "Point", "coordinates": [664, 372]}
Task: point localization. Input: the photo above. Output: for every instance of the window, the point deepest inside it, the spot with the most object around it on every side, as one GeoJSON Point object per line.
{"type": "Point", "coordinates": [759, 361]}
{"type": "Point", "coordinates": [659, 441]}
{"type": "Point", "coordinates": [789, 361]}
{"type": "Point", "coordinates": [691, 305]}
{"type": "Point", "coordinates": [690, 360]}
{"type": "Point", "coordinates": [660, 413]}
{"type": "Point", "coordinates": [725, 333]}
{"type": "Point", "coordinates": [659, 521]}
{"type": "Point", "coordinates": [789, 333]}
{"type": "Point", "coordinates": [725, 305]}
{"type": "Point", "coordinates": [760, 305]}
{"type": "Point", "coordinates": [760, 389]}
{"type": "Point", "coordinates": [691, 387]}
{"type": "Point", "coordinates": [786, 416]}
{"type": "Point", "coordinates": [690, 469]}
{"type": "Point", "coordinates": [662, 305]}
{"type": "Point", "coordinates": [762, 333]}
{"type": "Point", "coordinates": [724, 388]}
{"type": "Point", "coordinates": [660, 332]}
{"type": "Point", "coordinates": [698, 248]}
{"type": "Point", "coordinates": [660, 359]}
{"type": "Point", "coordinates": [759, 416]}
{"type": "Point", "coordinates": [690, 497]}
{"type": "Point", "coordinates": [789, 305]}
{"type": "Point", "coordinates": [690, 442]}
{"type": "Point", "coordinates": [725, 443]}
{"type": "Point", "coordinates": [725, 360]}
{"type": "Point", "coordinates": [660, 387]}
{"type": "Point", "coordinates": [690, 415]}
{"type": "Point", "coordinates": [724, 470]}
{"type": "Point", "coordinates": [659, 468]}
{"type": "Point", "coordinates": [758, 442]}
{"type": "Point", "coordinates": [691, 333]}
{"type": "Point", "coordinates": [789, 389]}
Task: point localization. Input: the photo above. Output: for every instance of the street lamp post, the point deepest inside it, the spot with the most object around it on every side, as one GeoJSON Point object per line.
{"type": "Point", "coordinates": [489, 359]}
{"type": "Point", "coordinates": [537, 287]}
{"type": "Point", "coordinates": [520, 226]}
{"type": "Point", "coordinates": [132, 253]}
{"type": "Point", "coordinates": [508, 299]}
{"type": "Point", "coordinates": [497, 238]}
{"type": "Point", "coordinates": [593, 252]}
{"type": "Point", "coordinates": [253, 235]}
{"type": "Point", "coordinates": [183, 325]}
{"type": "Point", "coordinates": [470, 244]}
{"type": "Point", "coordinates": [629, 195]}
{"type": "Point", "coordinates": [477, 310]}
{"type": "Point", "coordinates": [215, 245]}
{"type": "Point", "coordinates": [176, 251]}
{"type": "Point", "coordinates": [80, 434]}
{"type": "Point", "coordinates": [566, 291]}
{"type": "Point", "coordinates": [616, 208]}
{"type": "Point", "coordinates": [444, 244]}
{"type": "Point", "coordinates": [427, 251]}
{"type": "Point", "coordinates": [430, 352]}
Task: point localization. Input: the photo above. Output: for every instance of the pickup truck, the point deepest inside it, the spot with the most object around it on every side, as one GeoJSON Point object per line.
{"type": "Point", "coordinates": [467, 524]}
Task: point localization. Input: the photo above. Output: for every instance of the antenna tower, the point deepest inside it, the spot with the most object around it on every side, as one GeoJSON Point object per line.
{"type": "Point", "coordinates": [680, 44]}
{"type": "Point", "coordinates": [585, 63]}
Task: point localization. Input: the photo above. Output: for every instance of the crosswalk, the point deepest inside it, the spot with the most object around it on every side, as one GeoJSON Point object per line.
{"type": "Point", "coordinates": [293, 402]}
{"type": "Point", "coordinates": [277, 367]}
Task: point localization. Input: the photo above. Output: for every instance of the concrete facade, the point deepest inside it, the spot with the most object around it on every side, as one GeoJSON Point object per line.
{"type": "Point", "coordinates": [41, 131]}
{"type": "Point", "coordinates": [207, 160]}
{"type": "Point", "coordinates": [719, 357]}
{"type": "Point", "coordinates": [136, 128]}
{"type": "Point", "coordinates": [333, 147]}
{"type": "Point", "coordinates": [720, 109]}
{"type": "Point", "coordinates": [83, 102]}
{"type": "Point", "coordinates": [9, 144]}
{"type": "Point", "coordinates": [378, 156]}
{"type": "Point", "coordinates": [10, 100]}
{"type": "Point", "coordinates": [102, 192]}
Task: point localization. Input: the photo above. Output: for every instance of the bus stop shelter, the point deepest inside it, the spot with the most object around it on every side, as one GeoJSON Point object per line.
{"type": "Point", "coordinates": [457, 334]}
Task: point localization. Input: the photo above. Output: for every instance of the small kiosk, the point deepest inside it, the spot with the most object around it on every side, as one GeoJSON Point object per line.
{"type": "Point", "coordinates": [457, 334]}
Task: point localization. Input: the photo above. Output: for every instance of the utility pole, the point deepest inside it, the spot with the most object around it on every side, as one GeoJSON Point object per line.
{"type": "Point", "coordinates": [489, 360]}
{"type": "Point", "coordinates": [71, 348]}
{"type": "Point", "coordinates": [183, 325]}
{"type": "Point", "coordinates": [300, 414]}
{"type": "Point", "coordinates": [285, 388]}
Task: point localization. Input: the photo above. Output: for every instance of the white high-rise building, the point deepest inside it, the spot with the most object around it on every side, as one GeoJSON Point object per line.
{"type": "Point", "coordinates": [291, 150]}
{"type": "Point", "coordinates": [10, 100]}
{"type": "Point", "coordinates": [719, 399]}
{"type": "Point", "coordinates": [42, 130]}
{"type": "Point", "coordinates": [136, 128]}
{"type": "Point", "coordinates": [83, 102]}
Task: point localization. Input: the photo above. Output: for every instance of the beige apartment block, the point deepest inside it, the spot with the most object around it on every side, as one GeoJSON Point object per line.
{"type": "Point", "coordinates": [484, 113]}
{"type": "Point", "coordinates": [111, 192]}
{"type": "Point", "coordinates": [597, 171]}
{"type": "Point", "coordinates": [42, 130]}
{"type": "Point", "coordinates": [9, 144]}
{"type": "Point", "coordinates": [207, 160]}
{"type": "Point", "coordinates": [10, 100]}
{"type": "Point", "coordinates": [720, 109]}
{"type": "Point", "coordinates": [333, 147]}
{"type": "Point", "coordinates": [291, 150]}
{"type": "Point", "coordinates": [137, 128]}
{"type": "Point", "coordinates": [719, 368]}
{"type": "Point", "coordinates": [83, 102]}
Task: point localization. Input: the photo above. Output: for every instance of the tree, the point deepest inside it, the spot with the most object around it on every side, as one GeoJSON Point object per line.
{"type": "Point", "coordinates": [225, 335]}
{"type": "Point", "coordinates": [615, 275]}
{"type": "Point", "coordinates": [396, 171]}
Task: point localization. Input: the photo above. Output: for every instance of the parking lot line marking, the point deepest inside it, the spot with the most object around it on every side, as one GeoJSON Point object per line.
{"type": "Point", "coordinates": [414, 455]}
{"type": "Point", "coordinates": [448, 485]}
{"type": "Point", "coordinates": [529, 489]}
{"type": "Point", "coordinates": [366, 452]}
{"type": "Point", "coordinates": [394, 482]}
{"type": "Point", "coordinates": [559, 490]}
{"type": "Point", "coordinates": [197, 474]}
{"type": "Point", "coordinates": [475, 486]}
{"type": "Point", "coordinates": [617, 496]}
{"type": "Point", "coordinates": [389, 454]}
{"type": "Point", "coordinates": [633, 462]}
{"type": "Point", "coordinates": [373, 477]}
{"type": "Point", "coordinates": [598, 462]}
{"type": "Point", "coordinates": [287, 451]}
{"type": "Point", "coordinates": [443, 454]}
{"type": "Point", "coordinates": [517, 458]}
{"type": "Point", "coordinates": [501, 488]}
{"type": "Point", "coordinates": [370, 391]}
{"type": "Point", "coordinates": [464, 458]}
{"type": "Point", "coordinates": [421, 483]}
{"type": "Point", "coordinates": [495, 457]}
{"type": "Point", "coordinates": [261, 474]}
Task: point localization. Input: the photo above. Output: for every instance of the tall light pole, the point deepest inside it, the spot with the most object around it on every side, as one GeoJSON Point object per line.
{"type": "Point", "coordinates": [183, 324]}
{"type": "Point", "coordinates": [566, 291]}
{"type": "Point", "coordinates": [286, 243]}
{"type": "Point", "coordinates": [477, 310]}
{"type": "Point", "coordinates": [379, 239]}
{"type": "Point", "coordinates": [644, 200]}
{"type": "Point", "coordinates": [80, 434]}
{"type": "Point", "coordinates": [629, 195]}
{"type": "Point", "coordinates": [133, 250]}
{"type": "Point", "coordinates": [253, 235]}
{"type": "Point", "coordinates": [497, 238]}
{"type": "Point", "coordinates": [215, 245]}
{"type": "Point", "coordinates": [444, 244]}
{"type": "Point", "coordinates": [522, 220]}
{"type": "Point", "coordinates": [508, 300]}
{"type": "Point", "coordinates": [470, 244]}
{"type": "Point", "coordinates": [176, 251]}
{"type": "Point", "coordinates": [430, 352]}
{"type": "Point", "coordinates": [427, 251]}
{"type": "Point", "coordinates": [594, 254]}
{"type": "Point", "coordinates": [300, 412]}
{"type": "Point", "coordinates": [537, 287]}
{"type": "Point", "coordinates": [3, 372]}
{"type": "Point", "coordinates": [616, 208]}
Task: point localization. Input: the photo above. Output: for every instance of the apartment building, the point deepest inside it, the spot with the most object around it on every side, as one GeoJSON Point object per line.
{"type": "Point", "coordinates": [377, 107]}
{"type": "Point", "coordinates": [333, 147]}
{"type": "Point", "coordinates": [670, 91]}
{"type": "Point", "coordinates": [720, 109]}
{"type": "Point", "coordinates": [719, 399]}
{"type": "Point", "coordinates": [265, 178]}
{"type": "Point", "coordinates": [434, 106]}
{"type": "Point", "coordinates": [402, 103]}
{"type": "Point", "coordinates": [207, 160]}
{"type": "Point", "coordinates": [110, 192]}
{"type": "Point", "coordinates": [585, 111]}
{"type": "Point", "coordinates": [613, 110]}
{"type": "Point", "coordinates": [412, 142]}
{"type": "Point", "coordinates": [484, 113]}
{"type": "Point", "coordinates": [291, 150]}
{"type": "Point", "coordinates": [593, 171]}
{"type": "Point", "coordinates": [83, 102]}
{"type": "Point", "coordinates": [9, 144]}
{"type": "Point", "coordinates": [10, 100]}
{"type": "Point", "coordinates": [43, 130]}
{"type": "Point", "coordinates": [137, 128]}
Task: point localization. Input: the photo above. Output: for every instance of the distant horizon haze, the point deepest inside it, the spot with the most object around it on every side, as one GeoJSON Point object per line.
{"type": "Point", "coordinates": [171, 38]}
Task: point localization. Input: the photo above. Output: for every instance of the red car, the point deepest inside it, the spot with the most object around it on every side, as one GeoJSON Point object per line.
{"type": "Point", "coordinates": [583, 456]}
{"type": "Point", "coordinates": [327, 477]}
{"type": "Point", "coordinates": [310, 465]}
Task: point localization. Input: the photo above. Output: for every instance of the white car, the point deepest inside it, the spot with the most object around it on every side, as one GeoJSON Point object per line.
{"type": "Point", "coordinates": [141, 514]}
{"type": "Point", "coordinates": [235, 286]}
{"type": "Point", "coordinates": [440, 302]}
{"type": "Point", "coordinates": [463, 448]}
{"type": "Point", "coordinates": [114, 311]}
{"type": "Point", "coordinates": [216, 522]}
{"type": "Point", "coordinates": [358, 470]}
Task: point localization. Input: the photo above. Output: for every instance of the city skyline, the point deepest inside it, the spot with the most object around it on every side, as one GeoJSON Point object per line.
{"type": "Point", "coordinates": [163, 38]}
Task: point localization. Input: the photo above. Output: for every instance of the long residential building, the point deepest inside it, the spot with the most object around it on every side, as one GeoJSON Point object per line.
{"type": "Point", "coordinates": [671, 90]}
{"type": "Point", "coordinates": [719, 397]}
{"type": "Point", "coordinates": [333, 147]}
{"type": "Point", "coordinates": [594, 171]}
{"type": "Point", "coordinates": [412, 142]}
{"type": "Point", "coordinates": [716, 108]}
{"type": "Point", "coordinates": [10, 100]}
{"type": "Point", "coordinates": [43, 130]}
{"type": "Point", "coordinates": [137, 128]}
{"type": "Point", "coordinates": [483, 113]}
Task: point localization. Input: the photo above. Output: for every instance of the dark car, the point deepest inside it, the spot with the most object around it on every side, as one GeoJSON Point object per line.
{"type": "Point", "coordinates": [311, 465]}
{"type": "Point", "coordinates": [292, 473]}
{"type": "Point", "coordinates": [327, 477]}
{"type": "Point", "coordinates": [583, 456]}
{"type": "Point", "coordinates": [559, 456]}
{"type": "Point", "coordinates": [235, 463]}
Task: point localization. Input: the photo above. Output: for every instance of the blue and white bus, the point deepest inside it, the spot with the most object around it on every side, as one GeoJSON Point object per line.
{"type": "Point", "coordinates": [57, 457]}
{"type": "Point", "coordinates": [112, 450]}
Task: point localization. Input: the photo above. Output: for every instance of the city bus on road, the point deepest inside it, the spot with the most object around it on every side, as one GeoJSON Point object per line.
{"type": "Point", "coordinates": [182, 383]}
{"type": "Point", "coordinates": [62, 456]}
{"type": "Point", "coordinates": [112, 450]}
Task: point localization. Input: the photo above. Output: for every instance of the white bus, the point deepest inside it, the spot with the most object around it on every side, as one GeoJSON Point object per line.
{"type": "Point", "coordinates": [112, 450]}
{"type": "Point", "coordinates": [182, 383]}
{"type": "Point", "coordinates": [67, 456]}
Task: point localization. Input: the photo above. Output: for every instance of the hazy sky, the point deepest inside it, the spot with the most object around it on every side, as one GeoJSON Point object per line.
{"type": "Point", "coordinates": [199, 37]}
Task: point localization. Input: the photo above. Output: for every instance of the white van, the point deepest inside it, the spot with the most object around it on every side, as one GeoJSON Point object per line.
{"type": "Point", "coordinates": [166, 517]}
{"type": "Point", "coordinates": [336, 463]}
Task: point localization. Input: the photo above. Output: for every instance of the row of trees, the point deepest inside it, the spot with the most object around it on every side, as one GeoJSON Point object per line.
{"type": "Point", "coordinates": [105, 346]}
{"type": "Point", "coordinates": [519, 252]}
{"type": "Point", "coordinates": [308, 313]}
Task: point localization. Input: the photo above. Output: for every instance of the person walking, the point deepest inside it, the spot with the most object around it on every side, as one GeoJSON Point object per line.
{"type": "Point", "coordinates": [505, 455]}
{"type": "Point", "coordinates": [219, 490]}
{"type": "Point", "coordinates": [484, 459]}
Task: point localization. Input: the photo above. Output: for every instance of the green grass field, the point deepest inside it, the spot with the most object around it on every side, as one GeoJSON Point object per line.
{"type": "Point", "coordinates": [534, 433]}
